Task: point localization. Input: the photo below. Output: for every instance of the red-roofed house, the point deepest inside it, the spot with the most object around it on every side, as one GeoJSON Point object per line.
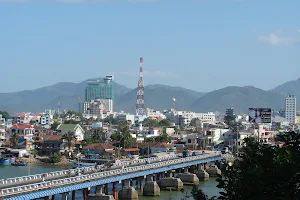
{"type": "Point", "coordinates": [132, 151]}
{"type": "Point", "coordinates": [98, 148]}
{"type": "Point", "coordinates": [23, 130]}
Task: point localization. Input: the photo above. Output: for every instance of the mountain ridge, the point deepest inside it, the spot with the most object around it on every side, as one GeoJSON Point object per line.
{"type": "Point", "coordinates": [157, 96]}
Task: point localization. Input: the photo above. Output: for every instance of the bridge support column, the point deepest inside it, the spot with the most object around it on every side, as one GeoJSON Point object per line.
{"type": "Point", "coordinates": [170, 184]}
{"type": "Point", "coordinates": [186, 170]}
{"type": "Point", "coordinates": [64, 196]}
{"type": "Point", "coordinates": [53, 197]}
{"type": "Point", "coordinates": [106, 189]}
{"type": "Point", "coordinates": [115, 190]}
{"type": "Point", "coordinates": [141, 185]}
{"type": "Point", "coordinates": [99, 189]}
{"type": "Point", "coordinates": [151, 187]}
{"type": "Point", "coordinates": [73, 195]}
{"type": "Point", "coordinates": [85, 193]}
{"type": "Point", "coordinates": [202, 175]}
{"type": "Point", "coordinates": [128, 192]}
{"type": "Point", "coordinates": [169, 174]}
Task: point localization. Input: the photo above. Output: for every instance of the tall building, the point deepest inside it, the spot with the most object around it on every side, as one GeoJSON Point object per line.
{"type": "Point", "coordinates": [100, 89]}
{"type": "Point", "coordinates": [290, 108]}
{"type": "Point", "coordinates": [229, 112]}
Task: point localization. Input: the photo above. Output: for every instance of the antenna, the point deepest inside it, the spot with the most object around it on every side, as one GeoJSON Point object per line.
{"type": "Point", "coordinates": [174, 103]}
{"type": "Point", "coordinates": [140, 102]}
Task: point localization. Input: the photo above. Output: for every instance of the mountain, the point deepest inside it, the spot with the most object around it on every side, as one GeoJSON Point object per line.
{"type": "Point", "coordinates": [241, 98]}
{"type": "Point", "coordinates": [159, 97]}
{"type": "Point", "coordinates": [291, 87]}
{"type": "Point", "coordinates": [43, 98]}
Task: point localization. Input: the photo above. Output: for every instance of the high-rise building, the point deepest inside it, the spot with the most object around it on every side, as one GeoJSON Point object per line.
{"type": "Point", "coordinates": [100, 89]}
{"type": "Point", "coordinates": [229, 112]}
{"type": "Point", "coordinates": [290, 108]}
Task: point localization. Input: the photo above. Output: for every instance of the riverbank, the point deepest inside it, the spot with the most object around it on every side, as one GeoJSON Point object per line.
{"type": "Point", "coordinates": [42, 161]}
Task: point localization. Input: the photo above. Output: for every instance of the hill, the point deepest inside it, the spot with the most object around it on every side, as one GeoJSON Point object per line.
{"type": "Point", "coordinates": [43, 98]}
{"type": "Point", "coordinates": [291, 87]}
{"type": "Point", "coordinates": [241, 98]}
{"type": "Point", "coordinates": [159, 97]}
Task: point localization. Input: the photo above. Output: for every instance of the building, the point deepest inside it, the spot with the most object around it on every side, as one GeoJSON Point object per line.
{"type": "Point", "coordinates": [183, 118]}
{"type": "Point", "coordinates": [23, 130]}
{"type": "Point", "coordinates": [290, 108]}
{"type": "Point", "coordinates": [74, 128]}
{"type": "Point", "coordinates": [26, 118]}
{"type": "Point", "coordinates": [150, 133]}
{"type": "Point", "coordinates": [45, 121]}
{"type": "Point", "coordinates": [97, 107]}
{"type": "Point", "coordinates": [229, 112]}
{"type": "Point", "coordinates": [100, 89]}
{"type": "Point", "coordinates": [154, 114]}
{"type": "Point", "coordinates": [2, 130]}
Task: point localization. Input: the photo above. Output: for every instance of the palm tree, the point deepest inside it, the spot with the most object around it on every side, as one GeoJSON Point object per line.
{"type": "Point", "coordinates": [14, 139]}
{"type": "Point", "coordinates": [98, 135]}
{"type": "Point", "coordinates": [69, 139]}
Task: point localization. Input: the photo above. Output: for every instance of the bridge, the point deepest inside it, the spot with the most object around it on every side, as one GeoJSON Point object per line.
{"type": "Point", "coordinates": [64, 182]}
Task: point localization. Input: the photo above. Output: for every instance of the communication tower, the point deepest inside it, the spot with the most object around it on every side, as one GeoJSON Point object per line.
{"type": "Point", "coordinates": [140, 102]}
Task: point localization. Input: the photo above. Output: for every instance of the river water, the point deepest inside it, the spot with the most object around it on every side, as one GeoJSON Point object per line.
{"type": "Point", "coordinates": [209, 187]}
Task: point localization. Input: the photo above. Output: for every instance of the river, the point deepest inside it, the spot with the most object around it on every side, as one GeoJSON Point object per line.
{"type": "Point", "coordinates": [209, 187]}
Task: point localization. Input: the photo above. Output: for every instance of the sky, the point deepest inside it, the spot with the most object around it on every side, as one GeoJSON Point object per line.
{"type": "Point", "coordinates": [202, 45]}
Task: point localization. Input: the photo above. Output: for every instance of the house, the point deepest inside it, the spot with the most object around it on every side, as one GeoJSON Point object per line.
{"type": "Point", "coordinates": [23, 130]}
{"type": "Point", "coordinates": [154, 147]}
{"type": "Point", "coordinates": [50, 144]}
{"type": "Point", "coordinates": [131, 151]}
{"type": "Point", "coordinates": [100, 149]}
{"type": "Point", "coordinates": [150, 133]}
{"type": "Point", "coordinates": [74, 128]}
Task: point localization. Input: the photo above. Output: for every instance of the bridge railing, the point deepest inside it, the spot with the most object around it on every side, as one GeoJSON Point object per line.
{"type": "Point", "coordinates": [98, 175]}
{"type": "Point", "coordinates": [36, 177]}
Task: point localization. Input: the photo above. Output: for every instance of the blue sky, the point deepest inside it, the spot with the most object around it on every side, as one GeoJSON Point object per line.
{"type": "Point", "coordinates": [198, 44]}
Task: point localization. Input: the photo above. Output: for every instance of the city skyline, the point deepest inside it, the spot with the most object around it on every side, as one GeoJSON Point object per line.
{"type": "Point", "coordinates": [200, 45]}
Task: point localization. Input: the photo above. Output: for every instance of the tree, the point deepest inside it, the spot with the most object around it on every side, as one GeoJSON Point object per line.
{"type": "Point", "coordinates": [98, 135]}
{"type": "Point", "coordinates": [194, 122]}
{"type": "Point", "coordinates": [150, 123]}
{"type": "Point", "coordinates": [198, 194]}
{"type": "Point", "coordinates": [54, 158]}
{"type": "Point", "coordinates": [69, 139]}
{"type": "Point", "coordinates": [54, 125]}
{"type": "Point", "coordinates": [264, 172]}
{"type": "Point", "coordinates": [5, 115]}
{"type": "Point", "coordinates": [164, 123]}
{"type": "Point", "coordinates": [229, 120]}
{"type": "Point", "coordinates": [14, 139]}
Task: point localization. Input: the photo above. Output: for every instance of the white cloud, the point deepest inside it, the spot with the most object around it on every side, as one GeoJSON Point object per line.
{"type": "Point", "coordinates": [153, 74]}
{"type": "Point", "coordinates": [276, 40]}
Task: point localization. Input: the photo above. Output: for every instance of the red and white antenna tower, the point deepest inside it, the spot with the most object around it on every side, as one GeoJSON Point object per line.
{"type": "Point", "coordinates": [140, 102]}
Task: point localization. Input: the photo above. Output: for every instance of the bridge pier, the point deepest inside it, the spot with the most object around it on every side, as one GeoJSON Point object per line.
{"type": "Point", "coordinates": [64, 196]}
{"type": "Point", "coordinates": [106, 189]}
{"type": "Point", "coordinates": [170, 184]}
{"type": "Point", "coordinates": [115, 190]}
{"type": "Point", "coordinates": [85, 193]}
{"type": "Point", "coordinates": [188, 178]}
{"type": "Point", "coordinates": [73, 195]}
{"type": "Point", "coordinates": [128, 192]}
{"type": "Point", "coordinates": [151, 187]}
{"type": "Point", "coordinates": [99, 189]}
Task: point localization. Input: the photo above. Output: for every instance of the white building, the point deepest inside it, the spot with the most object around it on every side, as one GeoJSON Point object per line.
{"type": "Point", "coordinates": [97, 107]}
{"type": "Point", "coordinates": [2, 130]}
{"type": "Point", "coordinates": [126, 117]}
{"type": "Point", "coordinates": [183, 118]}
{"type": "Point", "coordinates": [290, 108]}
{"type": "Point", "coordinates": [150, 133]}
{"type": "Point", "coordinates": [154, 114]}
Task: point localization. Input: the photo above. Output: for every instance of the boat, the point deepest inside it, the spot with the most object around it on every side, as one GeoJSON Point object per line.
{"type": "Point", "coordinates": [19, 164]}
{"type": "Point", "coordinates": [4, 161]}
